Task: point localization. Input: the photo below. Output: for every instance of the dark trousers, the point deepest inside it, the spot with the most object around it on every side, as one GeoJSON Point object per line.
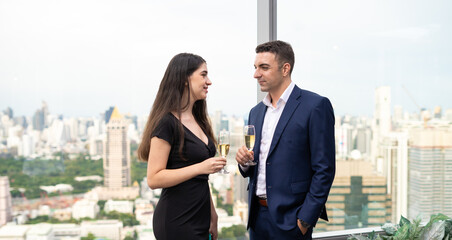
{"type": "Point", "coordinates": [264, 228]}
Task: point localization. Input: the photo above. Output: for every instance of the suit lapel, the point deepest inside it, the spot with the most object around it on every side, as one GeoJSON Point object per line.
{"type": "Point", "coordinates": [258, 128]}
{"type": "Point", "coordinates": [287, 113]}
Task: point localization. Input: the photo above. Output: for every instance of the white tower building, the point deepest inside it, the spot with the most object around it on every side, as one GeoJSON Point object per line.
{"type": "Point", "coordinates": [116, 153]}
{"type": "Point", "coordinates": [382, 119]}
{"type": "Point", "coordinates": [5, 201]}
{"type": "Point", "coordinates": [394, 164]}
{"type": "Point", "coordinates": [383, 109]}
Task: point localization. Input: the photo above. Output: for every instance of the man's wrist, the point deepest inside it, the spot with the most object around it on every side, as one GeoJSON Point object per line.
{"type": "Point", "coordinates": [304, 224]}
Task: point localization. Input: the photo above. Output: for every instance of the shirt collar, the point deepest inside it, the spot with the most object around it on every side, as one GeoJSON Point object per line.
{"type": "Point", "coordinates": [284, 97]}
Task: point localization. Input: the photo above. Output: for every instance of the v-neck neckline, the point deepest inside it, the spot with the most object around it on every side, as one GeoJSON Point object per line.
{"type": "Point", "coordinates": [208, 139]}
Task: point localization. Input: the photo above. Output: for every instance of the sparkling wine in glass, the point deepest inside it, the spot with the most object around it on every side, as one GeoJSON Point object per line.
{"type": "Point", "coordinates": [250, 134]}
{"type": "Point", "coordinates": [223, 147]}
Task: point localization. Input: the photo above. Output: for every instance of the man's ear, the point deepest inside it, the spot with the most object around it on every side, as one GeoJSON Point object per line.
{"type": "Point", "coordinates": [286, 69]}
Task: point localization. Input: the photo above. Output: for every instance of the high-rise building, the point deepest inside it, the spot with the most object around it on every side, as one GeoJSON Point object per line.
{"type": "Point", "coordinates": [9, 112]}
{"type": "Point", "coordinates": [393, 165]}
{"type": "Point", "coordinates": [71, 125]}
{"type": "Point", "coordinates": [59, 133]}
{"type": "Point", "coordinates": [21, 121]}
{"type": "Point", "coordinates": [96, 147]}
{"type": "Point", "coordinates": [108, 114]}
{"type": "Point", "coordinates": [116, 153]}
{"type": "Point", "coordinates": [358, 198]}
{"type": "Point", "coordinates": [38, 120]}
{"type": "Point", "coordinates": [437, 112]}
{"type": "Point", "coordinates": [344, 140]}
{"type": "Point", "coordinates": [5, 201]}
{"type": "Point", "coordinates": [382, 114]}
{"type": "Point", "coordinates": [382, 120]}
{"type": "Point", "coordinates": [363, 138]}
{"type": "Point", "coordinates": [28, 146]}
{"type": "Point", "coordinates": [430, 175]}
{"type": "Point", "coordinates": [40, 117]}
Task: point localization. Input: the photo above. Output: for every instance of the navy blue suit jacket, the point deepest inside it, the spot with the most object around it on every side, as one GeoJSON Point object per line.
{"type": "Point", "coordinates": [300, 165]}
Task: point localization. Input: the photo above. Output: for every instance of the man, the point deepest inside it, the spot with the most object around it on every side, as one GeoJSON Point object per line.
{"type": "Point", "coordinates": [294, 151]}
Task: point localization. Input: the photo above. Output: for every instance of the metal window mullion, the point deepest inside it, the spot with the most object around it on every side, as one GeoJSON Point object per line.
{"type": "Point", "coordinates": [266, 29]}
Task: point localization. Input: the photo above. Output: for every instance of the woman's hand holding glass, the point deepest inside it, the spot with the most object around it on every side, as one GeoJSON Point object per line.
{"type": "Point", "coordinates": [213, 165]}
{"type": "Point", "coordinates": [223, 147]}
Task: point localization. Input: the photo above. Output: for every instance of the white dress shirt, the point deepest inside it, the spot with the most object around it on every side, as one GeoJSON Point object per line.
{"type": "Point", "coordinates": [271, 119]}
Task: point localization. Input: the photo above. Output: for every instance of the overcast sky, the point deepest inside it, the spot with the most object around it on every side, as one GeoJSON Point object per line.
{"type": "Point", "coordinates": [83, 56]}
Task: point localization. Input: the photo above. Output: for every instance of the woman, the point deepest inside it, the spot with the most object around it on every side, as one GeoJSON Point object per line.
{"type": "Point", "coordinates": [179, 145]}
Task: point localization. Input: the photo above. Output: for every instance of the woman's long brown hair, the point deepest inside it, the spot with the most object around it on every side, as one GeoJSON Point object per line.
{"type": "Point", "coordinates": [169, 99]}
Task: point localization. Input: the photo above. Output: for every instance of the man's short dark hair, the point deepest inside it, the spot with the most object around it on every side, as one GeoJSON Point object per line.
{"type": "Point", "coordinates": [282, 50]}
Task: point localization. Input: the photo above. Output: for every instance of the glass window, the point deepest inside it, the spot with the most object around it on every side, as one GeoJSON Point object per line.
{"type": "Point", "coordinates": [385, 67]}
{"type": "Point", "coordinates": [67, 64]}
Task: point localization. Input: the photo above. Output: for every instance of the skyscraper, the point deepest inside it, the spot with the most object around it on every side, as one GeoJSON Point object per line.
{"type": "Point", "coordinates": [430, 176]}
{"type": "Point", "coordinates": [108, 114]}
{"type": "Point", "coordinates": [40, 117]}
{"type": "Point", "coordinates": [363, 138]}
{"type": "Point", "coordinates": [358, 198]}
{"type": "Point", "coordinates": [382, 120]}
{"type": "Point", "coordinates": [394, 165]}
{"type": "Point", "coordinates": [38, 120]}
{"type": "Point", "coordinates": [344, 140]}
{"type": "Point", "coordinates": [5, 201]}
{"type": "Point", "coordinates": [437, 112]}
{"type": "Point", "coordinates": [116, 153]}
{"type": "Point", "coordinates": [382, 114]}
{"type": "Point", "coordinates": [28, 147]}
{"type": "Point", "coordinates": [9, 112]}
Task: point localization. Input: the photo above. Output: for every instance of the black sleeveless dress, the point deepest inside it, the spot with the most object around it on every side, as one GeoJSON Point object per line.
{"type": "Point", "coordinates": [183, 211]}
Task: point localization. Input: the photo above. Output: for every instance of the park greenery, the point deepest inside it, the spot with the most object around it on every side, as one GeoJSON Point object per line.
{"type": "Point", "coordinates": [235, 232]}
{"type": "Point", "coordinates": [27, 175]}
{"type": "Point", "coordinates": [89, 237]}
{"type": "Point", "coordinates": [47, 219]}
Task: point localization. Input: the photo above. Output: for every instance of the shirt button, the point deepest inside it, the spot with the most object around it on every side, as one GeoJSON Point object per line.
{"type": "Point", "coordinates": [269, 187]}
{"type": "Point", "coordinates": [268, 163]}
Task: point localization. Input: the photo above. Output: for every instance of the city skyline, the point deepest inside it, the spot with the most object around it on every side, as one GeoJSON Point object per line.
{"type": "Point", "coordinates": [394, 111]}
{"type": "Point", "coordinates": [378, 163]}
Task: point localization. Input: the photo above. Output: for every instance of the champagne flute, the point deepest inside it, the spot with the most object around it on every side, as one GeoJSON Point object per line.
{"type": "Point", "coordinates": [223, 147]}
{"type": "Point", "coordinates": [249, 133]}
